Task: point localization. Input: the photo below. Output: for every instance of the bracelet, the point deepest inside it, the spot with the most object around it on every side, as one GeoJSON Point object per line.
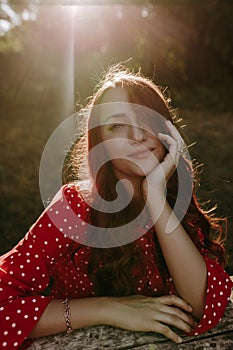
{"type": "Point", "coordinates": [67, 315]}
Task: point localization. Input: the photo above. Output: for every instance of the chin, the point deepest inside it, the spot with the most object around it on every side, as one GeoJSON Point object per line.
{"type": "Point", "coordinates": [142, 171]}
{"type": "Point", "coordinates": [129, 169]}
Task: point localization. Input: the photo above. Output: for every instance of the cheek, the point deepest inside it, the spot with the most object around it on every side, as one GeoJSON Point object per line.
{"type": "Point", "coordinates": [115, 148]}
{"type": "Point", "coordinates": [127, 168]}
{"type": "Point", "coordinates": [162, 152]}
{"type": "Point", "coordinates": [160, 149]}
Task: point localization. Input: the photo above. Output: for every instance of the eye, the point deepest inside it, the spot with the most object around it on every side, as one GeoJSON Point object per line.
{"type": "Point", "coordinates": [116, 126]}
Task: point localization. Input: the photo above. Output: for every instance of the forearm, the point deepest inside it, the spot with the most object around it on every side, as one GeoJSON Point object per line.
{"type": "Point", "coordinates": [185, 263]}
{"type": "Point", "coordinates": [85, 312]}
{"type": "Point", "coordinates": [133, 313]}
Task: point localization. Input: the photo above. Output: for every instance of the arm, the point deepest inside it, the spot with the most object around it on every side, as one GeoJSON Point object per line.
{"type": "Point", "coordinates": [25, 276]}
{"type": "Point", "coordinates": [197, 278]}
{"type": "Point", "coordinates": [84, 312]}
{"type": "Point", "coordinates": [185, 263]}
{"type": "Point", "coordinates": [134, 313]}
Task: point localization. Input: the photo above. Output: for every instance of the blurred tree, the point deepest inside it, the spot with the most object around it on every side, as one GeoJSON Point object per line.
{"type": "Point", "coordinates": [209, 53]}
{"type": "Point", "coordinates": [13, 18]}
{"type": "Point", "coordinates": [47, 52]}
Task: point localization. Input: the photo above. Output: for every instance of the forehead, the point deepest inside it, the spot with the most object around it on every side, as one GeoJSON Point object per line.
{"type": "Point", "coordinates": [118, 94]}
{"type": "Point", "coordinates": [116, 104]}
{"type": "Point", "coordinates": [115, 101]}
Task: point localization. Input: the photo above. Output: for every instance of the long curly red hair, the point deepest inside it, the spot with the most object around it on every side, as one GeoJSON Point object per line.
{"type": "Point", "coordinates": [114, 277]}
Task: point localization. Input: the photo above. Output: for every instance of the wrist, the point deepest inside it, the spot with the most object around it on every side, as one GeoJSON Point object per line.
{"type": "Point", "coordinates": [153, 193]}
{"type": "Point", "coordinates": [156, 199]}
{"type": "Point", "coordinates": [109, 310]}
{"type": "Point", "coordinates": [157, 206]}
{"type": "Point", "coordinates": [66, 304]}
{"type": "Point", "coordinates": [87, 312]}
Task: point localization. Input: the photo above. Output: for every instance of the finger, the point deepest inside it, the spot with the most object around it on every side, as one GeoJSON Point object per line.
{"type": "Point", "coordinates": [166, 331]}
{"type": "Point", "coordinates": [174, 311]}
{"type": "Point", "coordinates": [173, 154]}
{"type": "Point", "coordinates": [173, 320]}
{"type": "Point", "coordinates": [176, 301]}
{"type": "Point", "coordinates": [182, 148]}
{"type": "Point", "coordinates": [173, 144]}
{"type": "Point", "coordinates": [174, 132]}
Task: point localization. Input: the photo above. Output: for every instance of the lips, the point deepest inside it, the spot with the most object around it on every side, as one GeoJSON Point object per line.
{"type": "Point", "coordinates": [142, 153]}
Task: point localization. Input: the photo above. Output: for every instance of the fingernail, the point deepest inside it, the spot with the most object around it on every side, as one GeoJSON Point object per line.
{"type": "Point", "coordinates": [180, 340]}
{"type": "Point", "coordinates": [190, 307]}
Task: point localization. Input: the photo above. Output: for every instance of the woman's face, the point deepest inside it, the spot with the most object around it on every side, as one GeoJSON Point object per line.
{"type": "Point", "coordinates": [127, 135]}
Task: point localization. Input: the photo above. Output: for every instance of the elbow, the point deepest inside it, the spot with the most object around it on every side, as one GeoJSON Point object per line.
{"type": "Point", "coordinates": [199, 305]}
{"type": "Point", "coordinates": [198, 313]}
{"type": "Point", "coordinates": [198, 302]}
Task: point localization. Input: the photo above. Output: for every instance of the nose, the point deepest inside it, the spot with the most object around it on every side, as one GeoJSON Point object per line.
{"type": "Point", "coordinates": [136, 134]}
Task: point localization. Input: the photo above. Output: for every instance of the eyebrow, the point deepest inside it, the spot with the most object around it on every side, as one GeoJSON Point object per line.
{"type": "Point", "coordinates": [117, 115]}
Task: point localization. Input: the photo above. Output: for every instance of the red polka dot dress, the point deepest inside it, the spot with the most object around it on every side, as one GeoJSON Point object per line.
{"type": "Point", "coordinates": [49, 263]}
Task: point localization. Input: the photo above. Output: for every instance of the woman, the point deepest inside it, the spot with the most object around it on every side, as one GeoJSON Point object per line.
{"type": "Point", "coordinates": [75, 268]}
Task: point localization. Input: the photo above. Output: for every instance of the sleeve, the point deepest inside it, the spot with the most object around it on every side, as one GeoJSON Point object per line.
{"type": "Point", "coordinates": [25, 270]}
{"type": "Point", "coordinates": [218, 293]}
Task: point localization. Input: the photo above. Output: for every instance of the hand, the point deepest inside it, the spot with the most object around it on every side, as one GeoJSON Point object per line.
{"type": "Point", "coordinates": [147, 314]}
{"type": "Point", "coordinates": [157, 179]}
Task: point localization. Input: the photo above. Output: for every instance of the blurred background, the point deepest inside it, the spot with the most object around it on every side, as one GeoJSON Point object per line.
{"type": "Point", "coordinates": [52, 54]}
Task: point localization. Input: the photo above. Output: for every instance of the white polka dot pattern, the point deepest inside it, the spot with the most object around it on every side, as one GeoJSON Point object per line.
{"type": "Point", "coordinates": [48, 263]}
{"type": "Point", "coordinates": [218, 292]}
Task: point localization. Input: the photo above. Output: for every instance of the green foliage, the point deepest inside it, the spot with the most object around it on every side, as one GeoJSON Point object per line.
{"type": "Point", "coordinates": [10, 43]}
{"type": "Point", "coordinates": [49, 63]}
